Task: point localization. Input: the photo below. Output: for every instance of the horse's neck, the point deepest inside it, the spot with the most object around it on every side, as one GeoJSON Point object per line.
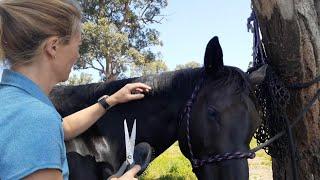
{"type": "Point", "coordinates": [164, 105]}
{"type": "Point", "coordinates": [157, 114]}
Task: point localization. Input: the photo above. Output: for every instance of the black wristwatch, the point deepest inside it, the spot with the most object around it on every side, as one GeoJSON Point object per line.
{"type": "Point", "coordinates": [102, 101]}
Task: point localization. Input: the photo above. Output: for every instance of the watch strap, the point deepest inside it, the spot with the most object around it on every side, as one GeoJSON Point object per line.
{"type": "Point", "coordinates": [102, 101]}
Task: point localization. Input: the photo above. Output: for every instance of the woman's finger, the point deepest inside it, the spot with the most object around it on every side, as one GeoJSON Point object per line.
{"type": "Point", "coordinates": [140, 85]}
{"type": "Point", "coordinates": [137, 91]}
{"type": "Point", "coordinates": [133, 171]}
{"type": "Point", "coordinates": [136, 96]}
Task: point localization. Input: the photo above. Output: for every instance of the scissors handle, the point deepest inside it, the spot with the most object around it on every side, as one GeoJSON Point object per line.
{"type": "Point", "coordinates": [121, 171]}
{"type": "Point", "coordinates": [130, 166]}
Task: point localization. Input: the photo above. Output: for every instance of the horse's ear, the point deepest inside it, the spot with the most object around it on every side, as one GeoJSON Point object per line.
{"type": "Point", "coordinates": [258, 76]}
{"type": "Point", "coordinates": [213, 58]}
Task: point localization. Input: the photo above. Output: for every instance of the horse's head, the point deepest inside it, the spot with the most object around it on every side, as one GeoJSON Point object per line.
{"type": "Point", "coordinates": [221, 119]}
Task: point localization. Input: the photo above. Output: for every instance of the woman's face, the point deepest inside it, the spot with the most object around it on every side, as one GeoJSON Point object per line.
{"type": "Point", "coordinates": [66, 56]}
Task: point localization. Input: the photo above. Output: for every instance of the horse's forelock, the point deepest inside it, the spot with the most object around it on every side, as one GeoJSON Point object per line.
{"type": "Point", "coordinates": [247, 95]}
{"type": "Point", "coordinates": [233, 78]}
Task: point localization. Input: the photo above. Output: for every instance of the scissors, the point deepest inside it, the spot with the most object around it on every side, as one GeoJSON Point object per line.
{"type": "Point", "coordinates": [130, 144]}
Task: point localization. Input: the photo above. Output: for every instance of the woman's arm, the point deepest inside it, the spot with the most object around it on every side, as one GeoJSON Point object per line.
{"type": "Point", "coordinates": [47, 174]}
{"type": "Point", "coordinates": [78, 122]}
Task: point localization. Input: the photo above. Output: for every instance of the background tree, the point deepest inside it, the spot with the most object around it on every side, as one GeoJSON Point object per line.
{"type": "Point", "coordinates": [118, 33]}
{"type": "Point", "coordinates": [154, 67]}
{"type": "Point", "coordinates": [291, 35]}
{"type": "Point", "coordinates": [74, 79]}
{"type": "Point", "coordinates": [191, 64]}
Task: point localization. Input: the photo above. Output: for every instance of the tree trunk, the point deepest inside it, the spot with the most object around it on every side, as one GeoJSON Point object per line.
{"type": "Point", "coordinates": [291, 35]}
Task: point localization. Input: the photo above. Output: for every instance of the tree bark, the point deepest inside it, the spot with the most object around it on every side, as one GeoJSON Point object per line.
{"type": "Point", "coordinates": [291, 35]}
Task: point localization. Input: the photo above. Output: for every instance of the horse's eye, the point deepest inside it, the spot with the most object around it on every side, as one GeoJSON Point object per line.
{"type": "Point", "coordinates": [212, 112]}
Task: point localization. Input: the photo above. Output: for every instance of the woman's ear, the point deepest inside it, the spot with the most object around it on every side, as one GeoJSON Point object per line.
{"type": "Point", "coordinates": [213, 58]}
{"type": "Point", "coordinates": [50, 47]}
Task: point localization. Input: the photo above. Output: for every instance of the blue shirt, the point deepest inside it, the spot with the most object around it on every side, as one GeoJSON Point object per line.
{"type": "Point", "coordinates": [31, 134]}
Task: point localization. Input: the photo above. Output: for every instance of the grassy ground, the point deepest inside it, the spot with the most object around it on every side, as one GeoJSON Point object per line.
{"type": "Point", "coordinates": [172, 165]}
{"type": "Point", "coordinates": [260, 166]}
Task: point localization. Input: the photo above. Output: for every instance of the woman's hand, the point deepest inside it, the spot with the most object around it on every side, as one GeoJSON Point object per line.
{"type": "Point", "coordinates": [130, 174]}
{"type": "Point", "coordinates": [129, 92]}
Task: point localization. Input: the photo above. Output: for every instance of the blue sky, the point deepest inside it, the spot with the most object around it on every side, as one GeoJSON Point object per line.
{"type": "Point", "coordinates": [1, 68]}
{"type": "Point", "coordinates": [189, 25]}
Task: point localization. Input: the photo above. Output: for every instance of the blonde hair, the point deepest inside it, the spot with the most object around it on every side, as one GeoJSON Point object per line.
{"type": "Point", "coordinates": [26, 24]}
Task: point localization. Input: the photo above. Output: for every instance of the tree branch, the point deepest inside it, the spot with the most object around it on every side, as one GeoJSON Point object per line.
{"type": "Point", "coordinates": [101, 8]}
{"type": "Point", "coordinates": [144, 11]}
{"type": "Point", "coordinates": [125, 17]}
{"type": "Point", "coordinates": [146, 21]}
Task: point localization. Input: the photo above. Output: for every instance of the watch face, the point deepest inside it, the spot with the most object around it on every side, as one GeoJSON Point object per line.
{"type": "Point", "coordinates": [104, 96]}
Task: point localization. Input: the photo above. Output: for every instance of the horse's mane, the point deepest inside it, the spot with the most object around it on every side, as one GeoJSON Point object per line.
{"type": "Point", "coordinates": [168, 82]}
{"type": "Point", "coordinates": [164, 84]}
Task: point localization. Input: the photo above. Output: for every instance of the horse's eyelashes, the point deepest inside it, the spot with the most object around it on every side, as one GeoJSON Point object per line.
{"type": "Point", "coordinates": [212, 112]}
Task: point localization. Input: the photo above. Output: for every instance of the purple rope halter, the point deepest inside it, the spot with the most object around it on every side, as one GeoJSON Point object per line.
{"type": "Point", "coordinates": [259, 56]}
{"type": "Point", "coordinates": [196, 163]}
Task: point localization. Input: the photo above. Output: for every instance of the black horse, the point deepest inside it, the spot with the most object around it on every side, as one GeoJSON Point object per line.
{"type": "Point", "coordinates": [209, 110]}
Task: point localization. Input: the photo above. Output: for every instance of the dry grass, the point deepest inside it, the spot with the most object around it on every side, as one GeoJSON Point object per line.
{"type": "Point", "coordinates": [260, 166]}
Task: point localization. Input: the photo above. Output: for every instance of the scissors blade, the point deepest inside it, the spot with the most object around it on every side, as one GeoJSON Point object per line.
{"type": "Point", "coordinates": [133, 134]}
{"type": "Point", "coordinates": [127, 139]}
{"type": "Point", "coordinates": [129, 147]}
{"type": "Point", "coordinates": [132, 143]}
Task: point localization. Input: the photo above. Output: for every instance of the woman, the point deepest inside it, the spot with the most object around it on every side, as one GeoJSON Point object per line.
{"type": "Point", "coordinates": [40, 40]}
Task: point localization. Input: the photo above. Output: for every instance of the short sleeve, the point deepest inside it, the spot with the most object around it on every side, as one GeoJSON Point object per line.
{"type": "Point", "coordinates": [33, 142]}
